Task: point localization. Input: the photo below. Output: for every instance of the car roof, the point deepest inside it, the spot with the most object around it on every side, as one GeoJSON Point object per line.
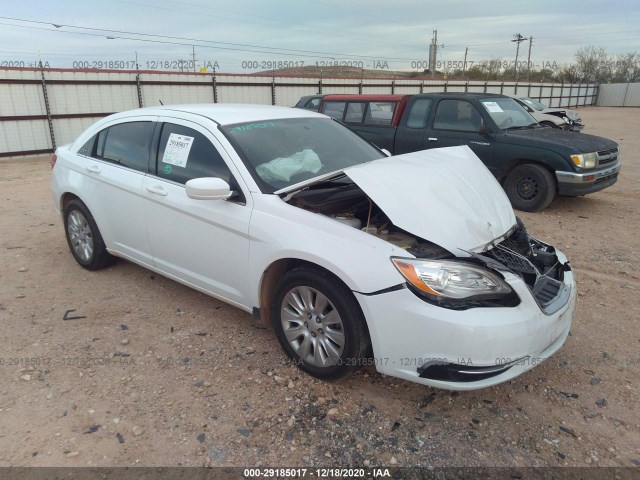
{"type": "Point", "coordinates": [363, 97]}
{"type": "Point", "coordinates": [226, 113]}
{"type": "Point", "coordinates": [461, 94]}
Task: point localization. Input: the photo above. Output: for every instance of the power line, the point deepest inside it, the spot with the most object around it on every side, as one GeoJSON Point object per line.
{"type": "Point", "coordinates": [311, 53]}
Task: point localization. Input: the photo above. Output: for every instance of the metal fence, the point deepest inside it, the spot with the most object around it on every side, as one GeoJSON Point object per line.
{"type": "Point", "coordinates": [619, 95]}
{"type": "Point", "coordinates": [40, 109]}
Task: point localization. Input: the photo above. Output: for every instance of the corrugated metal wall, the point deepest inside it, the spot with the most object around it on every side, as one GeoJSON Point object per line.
{"type": "Point", "coordinates": [42, 109]}
{"type": "Point", "coordinates": [619, 95]}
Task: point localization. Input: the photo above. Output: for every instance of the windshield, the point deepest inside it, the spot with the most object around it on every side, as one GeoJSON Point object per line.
{"type": "Point", "coordinates": [533, 104]}
{"type": "Point", "coordinates": [282, 152]}
{"type": "Point", "coordinates": [507, 113]}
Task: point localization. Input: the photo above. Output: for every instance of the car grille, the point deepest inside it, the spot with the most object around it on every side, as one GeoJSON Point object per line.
{"type": "Point", "coordinates": [507, 253]}
{"type": "Point", "coordinates": [545, 290]}
{"type": "Point", "coordinates": [607, 156]}
{"type": "Point", "coordinates": [545, 280]}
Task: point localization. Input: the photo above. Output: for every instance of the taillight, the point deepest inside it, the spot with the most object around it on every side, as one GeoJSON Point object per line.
{"type": "Point", "coordinates": [54, 159]}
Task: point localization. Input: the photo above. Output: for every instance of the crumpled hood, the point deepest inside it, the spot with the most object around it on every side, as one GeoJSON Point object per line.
{"type": "Point", "coordinates": [571, 114]}
{"type": "Point", "coordinates": [444, 195]}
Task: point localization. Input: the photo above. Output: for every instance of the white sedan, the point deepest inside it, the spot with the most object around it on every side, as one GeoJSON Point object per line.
{"type": "Point", "coordinates": [415, 263]}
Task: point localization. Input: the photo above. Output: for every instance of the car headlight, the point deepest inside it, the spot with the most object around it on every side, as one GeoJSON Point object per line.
{"type": "Point", "coordinates": [451, 280]}
{"type": "Point", "coordinates": [566, 119]}
{"type": "Point", "coordinates": [585, 160]}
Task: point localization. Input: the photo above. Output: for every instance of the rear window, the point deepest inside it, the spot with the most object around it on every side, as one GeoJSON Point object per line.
{"type": "Point", "coordinates": [334, 109]}
{"type": "Point", "coordinates": [380, 113]}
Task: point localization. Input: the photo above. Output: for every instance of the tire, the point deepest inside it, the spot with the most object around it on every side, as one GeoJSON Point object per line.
{"type": "Point", "coordinates": [83, 237]}
{"type": "Point", "coordinates": [319, 324]}
{"type": "Point", "coordinates": [530, 187]}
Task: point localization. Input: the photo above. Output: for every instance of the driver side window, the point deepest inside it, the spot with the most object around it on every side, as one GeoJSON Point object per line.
{"type": "Point", "coordinates": [458, 115]}
{"type": "Point", "coordinates": [185, 153]}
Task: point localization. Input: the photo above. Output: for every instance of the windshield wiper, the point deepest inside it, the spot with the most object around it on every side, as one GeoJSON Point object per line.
{"type": "Point", "coordinates": [330, 183]}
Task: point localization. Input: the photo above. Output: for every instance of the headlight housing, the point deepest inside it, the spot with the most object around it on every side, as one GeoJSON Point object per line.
{"type": "Point", "coordinates": [451, 280]}
{"type": "Point", "coordinates": [585, 160]}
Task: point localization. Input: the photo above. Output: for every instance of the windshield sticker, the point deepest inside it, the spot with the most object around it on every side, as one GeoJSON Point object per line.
{"type": "Point", "coordinates": [177, 150]}
{"type": "Point", "coordinates": [167, 169]}
{"type": "Point", "coordinates": [251, 126]}
{"type": "Point", "coordinates": [492, 107]}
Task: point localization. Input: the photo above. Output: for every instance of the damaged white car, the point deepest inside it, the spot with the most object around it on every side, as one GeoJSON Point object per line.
{"type": "Point", "coordinates": [557, 117]}
{"type": "Point", "coordinates": [415, 264]}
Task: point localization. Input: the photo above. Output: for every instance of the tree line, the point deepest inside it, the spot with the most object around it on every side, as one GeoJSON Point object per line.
{"type": "Point", "coordinates": [591, 65]}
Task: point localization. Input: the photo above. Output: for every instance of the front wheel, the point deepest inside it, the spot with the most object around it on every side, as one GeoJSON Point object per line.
{"type": "Point", "coordinates": [530, 187]}
{"type": "Point", "coordinates": [319, 324]}
{"type": "Point", "coordinates": [83, 237]}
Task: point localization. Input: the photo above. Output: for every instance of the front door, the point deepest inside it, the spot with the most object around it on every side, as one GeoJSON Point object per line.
{"type": "Point", "coordinates": [458, 122]}
{"type": "Point", "coordinates": [202, 242]}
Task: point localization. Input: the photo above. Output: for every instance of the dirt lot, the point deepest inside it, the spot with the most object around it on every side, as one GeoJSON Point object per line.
{"type": "Point", "coordinates": [157, 374]}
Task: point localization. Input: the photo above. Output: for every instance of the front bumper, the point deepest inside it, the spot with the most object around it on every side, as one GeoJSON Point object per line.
{"type": "Point", "coordinates": [574, 184]}
{"type": "Point", "coordinates": [409, 336]}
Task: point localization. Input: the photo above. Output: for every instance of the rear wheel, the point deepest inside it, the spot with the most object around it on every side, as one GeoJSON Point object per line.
{"type": "Point", "coordinates": [530, 187]}
{"type": "Point", "coordinates": [319, 324]}
{"type": "Point", "coordinates": [83, 237]}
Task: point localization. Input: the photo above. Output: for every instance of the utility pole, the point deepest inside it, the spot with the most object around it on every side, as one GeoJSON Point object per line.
{"type": "Point", "coordinates": [518, 39]}
{"type": "Point", "coordinates": [433, 52]}
{"type": "Point", "coordinates": [529, 58]}
{"type": "Point", "coordinates": [464, 64]}
{"type": "Point", "coordinates": [193, 55]}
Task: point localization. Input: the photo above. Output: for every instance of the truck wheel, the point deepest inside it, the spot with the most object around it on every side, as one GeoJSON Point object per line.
{"type": "Point", "coordinates": [319, 324]}
{"type": "Point", "coordinates": [530, 187]}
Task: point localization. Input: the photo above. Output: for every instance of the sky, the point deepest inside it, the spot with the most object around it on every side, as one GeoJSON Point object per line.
{"type": "Point", "coordinates": [245, 36]}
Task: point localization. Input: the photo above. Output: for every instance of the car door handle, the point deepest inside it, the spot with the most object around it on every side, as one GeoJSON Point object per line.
{"type": "Point", "coordinates": [158, 190]}
{"type": "Point", "coordinates": [432, 139]}
{"type": "Point", "coordinates": [93, 168]}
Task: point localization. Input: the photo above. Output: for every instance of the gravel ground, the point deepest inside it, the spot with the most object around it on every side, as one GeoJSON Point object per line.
{"type": "Point", "coordinates": [153, 373]}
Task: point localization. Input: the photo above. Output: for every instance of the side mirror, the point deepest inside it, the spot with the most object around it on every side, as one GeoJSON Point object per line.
{"type": "Point", "coordinates": [484, 130]}
{"type": "Point", "coordinates": [386, 152]}
{"type": "Point", "coordinates": [208, 188]}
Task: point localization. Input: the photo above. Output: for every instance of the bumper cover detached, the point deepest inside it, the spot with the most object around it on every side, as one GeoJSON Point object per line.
{"type": "Point", "coordinates": [574, 184]}
{"type": "Point", "coordinates": [469, 349]}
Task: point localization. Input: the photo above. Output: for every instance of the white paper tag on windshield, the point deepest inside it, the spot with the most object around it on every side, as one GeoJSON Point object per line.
{"type": "Point", "coordinates": [177, 150]}
{"type": "Point", "coordinates": [492, 107]}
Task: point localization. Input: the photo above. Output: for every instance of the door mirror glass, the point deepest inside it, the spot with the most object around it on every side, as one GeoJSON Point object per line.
{"type": "Point", "coordinates": [208, 188]}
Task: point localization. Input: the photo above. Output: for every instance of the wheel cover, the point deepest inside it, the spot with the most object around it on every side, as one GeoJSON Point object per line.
{"type": "Point", "coordinates": [527, 188]}
{"type": "Point", "coordinates": [313, 327]}
{"type": "Point", "coordinates": [80, 235]}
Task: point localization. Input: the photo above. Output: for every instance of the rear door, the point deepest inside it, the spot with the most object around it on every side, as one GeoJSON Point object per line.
{"type": "Point", "coordinates": [376, 126]}
{"type": "Point", "coordinates": [114, 165]}
{"type": "Point", "coordinates": [202, 242]}
{"type": "Point", "coordinates": [371, 119]}
{"type": "Point", "coordinates": [458, 122]}
{"type": "Point", "coordinates": [411, 134]}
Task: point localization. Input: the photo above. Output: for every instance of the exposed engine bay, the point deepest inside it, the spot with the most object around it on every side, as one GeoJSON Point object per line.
{"type": "Point", "coordinates": [519, 253]}
{"type": "Point", "coordinates": [345, 202]}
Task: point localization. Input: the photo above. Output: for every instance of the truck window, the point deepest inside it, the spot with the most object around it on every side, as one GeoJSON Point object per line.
{"type": "Point", "coordinates": [458, 115]}
{"type": "Point", "coordinates": [380, 113]}
{"type": "Point", "coordinates": [418, 114]}
{"type": "Point", "coordinates": [334, 109]}
{"type": "Point", "coordinates": [355, 111]}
